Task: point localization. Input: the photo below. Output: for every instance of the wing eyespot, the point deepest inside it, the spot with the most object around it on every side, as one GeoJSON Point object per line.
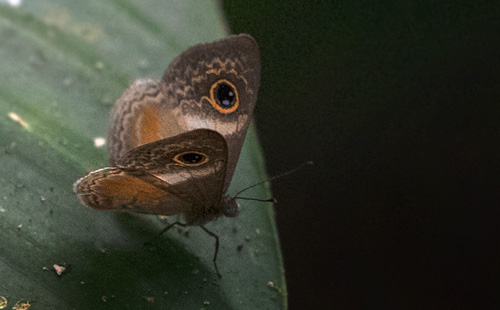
{"type": "Point", "coordinates": [191, 158]}
{"type": "Point", "coordinates": [224, 96]}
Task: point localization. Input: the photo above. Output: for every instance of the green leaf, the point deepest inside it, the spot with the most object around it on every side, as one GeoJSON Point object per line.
{"type": "Point", "coordinates": [62, 65]}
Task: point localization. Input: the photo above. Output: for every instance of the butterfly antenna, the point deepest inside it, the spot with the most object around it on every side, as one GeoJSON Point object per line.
{"type": "Point", "coordinates": [261, 200]}
{"type": "Point", "coordinates": [269, 180]}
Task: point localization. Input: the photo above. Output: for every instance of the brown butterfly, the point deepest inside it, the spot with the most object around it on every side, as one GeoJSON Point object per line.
{"type": "Point", "coordinates": [174, 144]}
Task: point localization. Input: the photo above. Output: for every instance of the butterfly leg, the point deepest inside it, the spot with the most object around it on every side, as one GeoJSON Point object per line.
{"type": "Point", "coordinates": [164, 230]}
{"type": "Point", "coordinates": [212, 234]}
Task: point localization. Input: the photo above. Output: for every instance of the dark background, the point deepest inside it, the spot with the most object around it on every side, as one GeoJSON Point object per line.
{"type": "Point", "coordinates": [397, 103]}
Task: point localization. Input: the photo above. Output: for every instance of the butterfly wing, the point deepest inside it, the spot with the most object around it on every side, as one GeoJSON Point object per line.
{"type": "Point", "coordinates": [181, 174]}
{"type": "Point", "coordinates": [215, 86]}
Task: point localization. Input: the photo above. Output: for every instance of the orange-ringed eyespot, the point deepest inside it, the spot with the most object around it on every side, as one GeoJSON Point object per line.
{"type": "Point", "coordinates": [191, 158]}
{"type": "Point", "coordinates": [224, 96]}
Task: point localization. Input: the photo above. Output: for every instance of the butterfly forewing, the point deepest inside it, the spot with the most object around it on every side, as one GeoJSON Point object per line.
{"type": "Point", "coordinates": [182, 174]}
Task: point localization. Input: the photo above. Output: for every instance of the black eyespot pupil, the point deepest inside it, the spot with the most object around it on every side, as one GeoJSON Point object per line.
{"type": "Point", "coordinates": [226, 94]}
{"type": "Point", "coordinates": [192, 158]}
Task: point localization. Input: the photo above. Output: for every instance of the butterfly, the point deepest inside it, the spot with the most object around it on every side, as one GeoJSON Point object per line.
{"type": "Point", "coordinates": [174, 144]}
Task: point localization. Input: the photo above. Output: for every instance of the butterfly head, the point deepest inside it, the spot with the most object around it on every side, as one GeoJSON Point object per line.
{"type": "Point", "coordinates": [231, 207]}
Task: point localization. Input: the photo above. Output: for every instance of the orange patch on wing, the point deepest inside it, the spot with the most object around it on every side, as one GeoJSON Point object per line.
{"type": "Point", "coordinates": [128, 190]}
{"type": "Point", "coordinates": [149, 125]}
{"type": "Point", "coordinates": [120, 191]}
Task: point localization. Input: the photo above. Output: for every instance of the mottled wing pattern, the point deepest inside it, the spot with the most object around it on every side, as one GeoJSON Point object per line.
{"type": "Point", "coordinates": [187, 84]}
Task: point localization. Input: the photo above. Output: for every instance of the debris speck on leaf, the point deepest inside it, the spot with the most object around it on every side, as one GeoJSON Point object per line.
{"type": "Point", "coordinates": [61, 269]}
{"type": "Point", "coordinates": [3, 302]}
{"type": "Point", "coordinates": [21, 305]}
